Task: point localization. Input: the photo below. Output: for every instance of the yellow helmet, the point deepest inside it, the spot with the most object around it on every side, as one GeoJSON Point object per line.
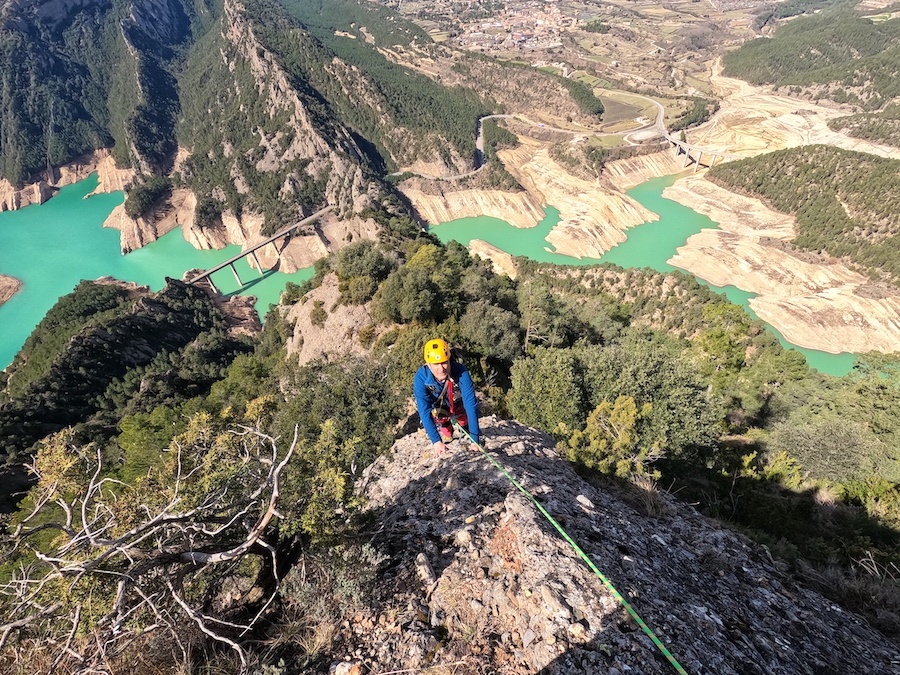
{"type": "Point", "coordinates": [436, 351]}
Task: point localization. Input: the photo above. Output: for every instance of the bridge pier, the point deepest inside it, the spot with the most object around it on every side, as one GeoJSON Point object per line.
{"type": "Point", "coordinates": [236, 276]}
{"type": "Point", "coordinates": [687, 158]}
{"type": "Point", "coordinates": [699, 158]}
{"type": "Point", "coordinates": [256, 260]}
{"type": "Point", "coordinates": [285, 234]}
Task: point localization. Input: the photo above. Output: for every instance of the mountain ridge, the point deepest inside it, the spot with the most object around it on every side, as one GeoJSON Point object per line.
{"type": "Point", "coordinates": [477, 577]}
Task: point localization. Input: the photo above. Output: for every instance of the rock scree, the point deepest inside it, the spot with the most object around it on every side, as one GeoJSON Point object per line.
{"type": "Point", "coordinates": [476, 580]}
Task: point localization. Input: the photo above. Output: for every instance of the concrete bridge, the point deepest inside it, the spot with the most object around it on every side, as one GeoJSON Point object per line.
{"type": "Point", "coordinates": [692, 153]}
{"type": "Point", "coordinates": [695, 153]}
{"type": "Point", "coordinates": [284, 233]}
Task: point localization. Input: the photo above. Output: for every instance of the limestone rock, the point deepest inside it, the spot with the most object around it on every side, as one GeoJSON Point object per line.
{"type": "Point", "coordinates": [9, 286]}
{"type": "Point", "coordinates": [337, 336]}
{"type": "Point", "coordinates": [510, 596]}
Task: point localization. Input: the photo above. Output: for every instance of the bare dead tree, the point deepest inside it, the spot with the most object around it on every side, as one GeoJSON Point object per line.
{"type": "Point", "coordinates": [146, 573]}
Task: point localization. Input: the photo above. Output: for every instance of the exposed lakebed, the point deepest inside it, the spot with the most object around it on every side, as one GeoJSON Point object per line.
{"type": "Point", "coordinates": [649, 245]}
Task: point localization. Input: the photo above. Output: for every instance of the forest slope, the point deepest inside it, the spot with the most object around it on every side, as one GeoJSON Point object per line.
{"type": "Point", "coordinates": [844, 201]}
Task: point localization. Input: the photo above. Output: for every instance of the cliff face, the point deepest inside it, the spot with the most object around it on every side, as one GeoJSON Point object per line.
{"type": "Point", "coordinates": [479, 580]}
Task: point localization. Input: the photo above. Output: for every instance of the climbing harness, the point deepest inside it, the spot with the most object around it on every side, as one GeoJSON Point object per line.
{"type": "Point", "coordinates": [565, 535]}
{"type": "Point", "coordinates": [448, 409]}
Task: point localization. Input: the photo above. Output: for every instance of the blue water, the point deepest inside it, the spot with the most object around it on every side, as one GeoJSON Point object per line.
{"type": "Point", "coordinates": [54, 246]}
{"type": "Point", "coordinates": [649, 245]}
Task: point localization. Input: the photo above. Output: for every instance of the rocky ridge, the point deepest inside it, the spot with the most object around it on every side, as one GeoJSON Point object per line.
{"type": "Point", "coordinates": [479, 582]}
{"type": "Point", "coordinates": [337, 156]}
{"type": "Point", "coordinates": [335, 336]}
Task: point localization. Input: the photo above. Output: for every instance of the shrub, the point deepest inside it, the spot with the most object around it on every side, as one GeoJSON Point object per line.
{"type": "Point", "coordinates": [616, 440]}
{"type": "Point", "coordinates": [142, 197]}
{"type": "Point", "coordinates": [362, 259]}
{"type": "Point", "coordinates": [548, 391]}
{"type": "Point", "coordinates": [318, 315]}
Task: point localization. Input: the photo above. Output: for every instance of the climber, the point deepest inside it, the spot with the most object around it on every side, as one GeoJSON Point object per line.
{"type": "Point", "coordinates": [444, 393]}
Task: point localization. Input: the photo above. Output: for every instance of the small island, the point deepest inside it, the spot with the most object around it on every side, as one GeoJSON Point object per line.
{"type": "Point", "coordinates": [9, 286]}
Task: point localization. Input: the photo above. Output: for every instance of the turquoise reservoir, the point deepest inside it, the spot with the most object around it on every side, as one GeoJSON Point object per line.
{"type": "Point", "coordinates": [648, 245]}
{"type": "Point", "coordinates": [54, 246]}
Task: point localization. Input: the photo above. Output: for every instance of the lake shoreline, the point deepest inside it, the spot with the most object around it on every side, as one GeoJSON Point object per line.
{"type": "Point", "coordinates": [816, 302]}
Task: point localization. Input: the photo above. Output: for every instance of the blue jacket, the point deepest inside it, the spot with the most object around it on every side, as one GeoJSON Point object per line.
{"type": "Point", "coordinates": [428, 390]}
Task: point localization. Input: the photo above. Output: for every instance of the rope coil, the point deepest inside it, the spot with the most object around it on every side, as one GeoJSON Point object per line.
{"type": "Point", "coordinates": [565, 535]}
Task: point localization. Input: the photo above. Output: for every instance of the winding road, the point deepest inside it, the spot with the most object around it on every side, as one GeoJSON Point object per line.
{"type": "Point", "coordinates": [655, 129]}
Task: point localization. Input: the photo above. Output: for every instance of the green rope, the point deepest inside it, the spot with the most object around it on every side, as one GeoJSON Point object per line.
{"type": "Point", "coordinates": [565, 535]}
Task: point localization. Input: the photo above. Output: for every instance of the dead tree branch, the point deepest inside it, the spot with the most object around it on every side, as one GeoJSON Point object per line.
{"type": "Point", "coordinates": [146, 565]}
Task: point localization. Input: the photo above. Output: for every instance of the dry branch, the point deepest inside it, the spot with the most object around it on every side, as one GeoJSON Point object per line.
{"type": "Point", "coordinates": [154, 565]}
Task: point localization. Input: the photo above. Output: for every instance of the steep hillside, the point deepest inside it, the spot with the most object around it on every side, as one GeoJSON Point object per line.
{"type": "Point", "coordinates": [880, 127]}
{"type": "Point", "coordinates": [276, 147]}
{"type": "Point", "coordinates": [843, 201]}
{"type": "Point", "coordinates": [837, 55]}
{"type": "Point", "coordinates": [78, 76]}
{"type": "Point", "coordinates": [212, 477]}
{"type": "Point", "coordinates": [109, 347]}
{"type": "Point", "coordinates": [258, 107]}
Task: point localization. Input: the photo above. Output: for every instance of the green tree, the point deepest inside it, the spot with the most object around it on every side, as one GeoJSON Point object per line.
{"type": "Point", "coordinates": [493, 331]}
{"type": "Point", "coordinates": [615, 440]}
{"type": "Point", "coordinates": [360, 267]}
{"type": "Point", "coordinates": [835, 448]}
{"type": "Point", "coordinates": [548, 390]}
{"type": "Point", "coordinates": [426, 288]}
{"type": "Point", "coordinates": [545, 319]}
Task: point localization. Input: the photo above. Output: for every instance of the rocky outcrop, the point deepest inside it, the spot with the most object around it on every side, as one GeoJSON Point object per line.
{"type": "Point", "coordinates": [162, 21]}
{"type": "Point", "coordinates": [239, 310]}
{"type": "Point", "coordinates": [519, 209]}
{"type": "Point", "coordinates": [9, 286]}
{"type": "Point", "coordinates": [627, 173]}
{"type": "Point", "coordinates": [593, 217]}
{"type": "Point", "coordinates": [478, 580]}
{"type": "Point", "coordinates": [329, 146]}
{"type": "Point", "coordinates": [177, 210]}
{"type": "Point", "coordinates": [333, 336]}
{"type": "Point", "coordinates": [502, 262]}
